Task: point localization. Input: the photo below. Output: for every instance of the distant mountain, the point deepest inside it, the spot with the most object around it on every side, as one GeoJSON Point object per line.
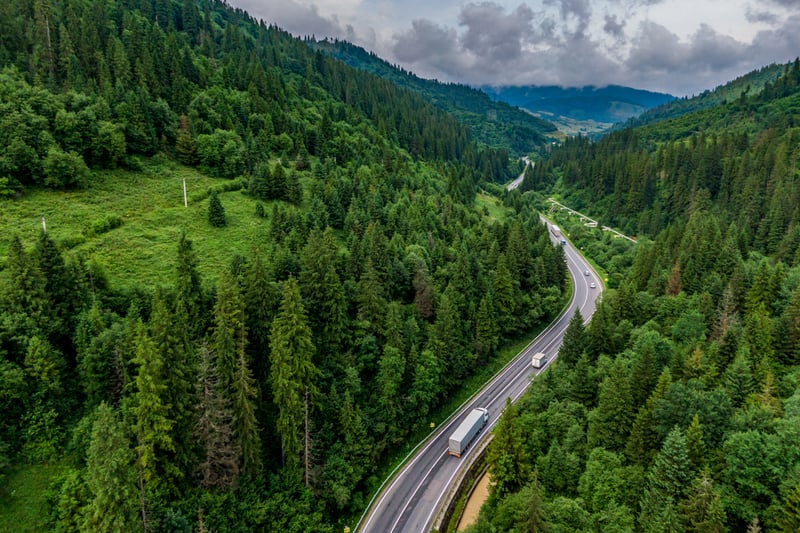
{"type": "Point", "coordinates": [580, 109]}
{"type": "Point", "coordinates": [749, 84]}
{"type": "Point", "coordinates": [493, 122]}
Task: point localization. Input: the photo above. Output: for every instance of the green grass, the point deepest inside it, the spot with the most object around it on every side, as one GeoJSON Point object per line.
{"type": "Point", "coordinates": [142, 251]}
{"type": "Point", "coordinates": [22, 499]}
{"type": "Point", "coordinates": [491, 207]}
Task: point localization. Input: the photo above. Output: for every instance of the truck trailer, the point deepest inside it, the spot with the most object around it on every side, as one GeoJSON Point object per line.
{"type": "Point", "coordinates": [538, 360]}
{"type": "Point", "coordinates": [465, 433]}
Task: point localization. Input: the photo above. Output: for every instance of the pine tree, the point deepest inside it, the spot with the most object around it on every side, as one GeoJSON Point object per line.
{"type": "Point", "coordinates": [179, 374]}
{"type": "Point", "coordinates": [216, 213]}
{"type": "Point", "coordinates": [110, 476]}
{"type": "Point", "coordinates": [574, 343]}
{"type": "Point", "coordinates": [610, 422]}
{"type": "Point", "coordinates": [189, 313]}
{"type": "Point", "coordinates": [667, 484]}
{"type": "Point", "coordinates": [508, 461]}
{"type": "Point", "coordinates": [292, 371]}
{"type": "Point", "coordinates": [226, 336]}
{"type": "Point", "coordinates": [219, 464]}
{"type": "Point", "coordinates": [245, 426]}
{"type": "Point", "coordinates": [694, 443]}
{"type": "Point", "coordinates": [261, 301]}
{"type": "Point", "coordinates": [486, 330]}
{"type": "Point", "coordinates": [259, 185]}
{"type": "Point", "coordinates": [702, 511]}
{"type": "Point", "coordinates": [151, 409]}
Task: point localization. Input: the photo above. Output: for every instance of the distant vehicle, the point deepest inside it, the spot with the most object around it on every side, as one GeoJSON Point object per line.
{"type": "Point", "coordinates": [465, 433]}
{"type": "Point", "coordinates": [585, 272]}
{"type": "Point", "coordinates": [555, 230]}
{"type": "Point", "coordinates": [593, 285]}
{"type": "Point", "coordinates": [538, 360]}
{"type": "Point", "coordinates": [563, 242]}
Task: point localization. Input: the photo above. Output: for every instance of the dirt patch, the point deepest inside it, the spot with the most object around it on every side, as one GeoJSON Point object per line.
{"type": "Point", "coordinates": [476, 499]}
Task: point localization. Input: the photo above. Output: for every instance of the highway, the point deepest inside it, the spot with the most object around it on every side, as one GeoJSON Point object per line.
{"type": "Point", "coordinates": [410, 500]}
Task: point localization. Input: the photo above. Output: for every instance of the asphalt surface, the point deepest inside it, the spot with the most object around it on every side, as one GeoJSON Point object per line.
{"type": "Point", "coordinates": [409, 501]}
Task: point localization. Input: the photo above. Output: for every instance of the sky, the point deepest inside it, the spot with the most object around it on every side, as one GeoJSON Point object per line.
{"type": "Point", "coordinates": [681, 47]}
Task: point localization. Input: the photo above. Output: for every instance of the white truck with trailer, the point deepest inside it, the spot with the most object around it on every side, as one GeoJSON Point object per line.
{"type": "Point", "coordinates": [466, 432]}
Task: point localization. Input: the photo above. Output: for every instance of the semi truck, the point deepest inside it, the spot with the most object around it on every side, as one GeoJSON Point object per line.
{"type": "Point", "coordinates": [465, 433]}
{"type": "Point", "coordinates": [555, 231]}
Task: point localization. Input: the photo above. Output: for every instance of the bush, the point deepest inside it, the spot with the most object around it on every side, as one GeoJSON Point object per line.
{"type": "Point", "coordinates": [64, 169]}
{"type": "Point", "coordinates": [104, 225]}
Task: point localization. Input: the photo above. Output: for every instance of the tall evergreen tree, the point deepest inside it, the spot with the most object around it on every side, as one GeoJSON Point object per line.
{"type": "Point", "coordinates": [508, 460]}
{"type": "Point", "coordinates": [610, 422]}
{"type": "Point", "coordinates": [219, 452]}
{"type": "Point", "coordinates": [574, 343]}
{"type": "Point", "coordinates": [190, 316]}
{"type": "Point", "coordinates": [110, 476]}
{"type": "Point", "coordinates": [151, 409]}
{"type": "Point", "coordinates": [292, 371]}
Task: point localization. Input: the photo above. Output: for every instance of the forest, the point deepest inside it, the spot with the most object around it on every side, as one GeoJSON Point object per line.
{"type": "Point", "coordinates": [270, 393]}
{"type": "Point", "coordinates": [677, 407]}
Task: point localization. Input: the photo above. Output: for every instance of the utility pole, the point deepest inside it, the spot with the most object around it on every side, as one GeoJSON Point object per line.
{"type": "Point", "coordinates": [44, 225]}
{"type": "Point", "coordinates": [185, 203]}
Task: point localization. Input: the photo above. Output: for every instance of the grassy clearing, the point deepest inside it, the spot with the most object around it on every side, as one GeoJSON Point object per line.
{"type": "Point", "coordinates": [491, 207]}
{"type": "Point", "coordinates": [22, 499]}
{"type": "Point", "coordinates": [150, 204]}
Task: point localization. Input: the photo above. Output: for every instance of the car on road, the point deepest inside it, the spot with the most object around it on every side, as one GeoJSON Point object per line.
{"type": "Point", "coordinates": [593, 285]}
{"type": "Point", "coordinates": [585, 272]}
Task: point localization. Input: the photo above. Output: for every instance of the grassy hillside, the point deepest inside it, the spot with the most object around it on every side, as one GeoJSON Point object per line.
{"type": "Point", "coordinates": [149, 205]}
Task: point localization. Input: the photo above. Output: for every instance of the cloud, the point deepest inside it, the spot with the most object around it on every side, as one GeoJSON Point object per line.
{"type": "Point", "coordinates": [493, 35]}
{"type": "Point", "coordinates": [294, 17]}
{"type": "Point", "coordinates": [760, 16]}
{"type": "Point", "coordinates": [614, 27]}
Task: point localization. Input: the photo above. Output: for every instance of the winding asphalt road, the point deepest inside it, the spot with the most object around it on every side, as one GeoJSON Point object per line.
{"type": "Point", "coordinates": [409, 501]}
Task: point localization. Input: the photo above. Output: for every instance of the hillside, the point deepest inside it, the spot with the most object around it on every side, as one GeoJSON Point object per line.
{"type": "Point", "coordinates": [494, 123]}
{"type": "Point", "coordinates": [256, 354]}
{"type": "Point", "coordinates": [580, 109]}
{"type": "Point", "coordinates": [676, 407]}
{"type": "Point", "coordinates": [748, 84]}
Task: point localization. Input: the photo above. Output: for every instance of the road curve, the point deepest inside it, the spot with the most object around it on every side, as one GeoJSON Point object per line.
{"type": "Point", "coordinates": [408, 502]}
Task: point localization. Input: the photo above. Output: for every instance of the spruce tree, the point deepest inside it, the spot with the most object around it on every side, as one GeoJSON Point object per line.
{"type": "Point", "coordinates": [151, 409]}
{"type": "Point", "coordinates": [110, 476]}
{"type": "Point", "coordinates": [213, 430]}
{"type": "Point", "coordinates": [190, 315]}
{"type": "Point", "coordinates": [216, 213]}
{"type": "Point", "coordinates": [508, 460]}
{"type": "Point", "coordinates": [574, 343]}
{"type": "Point", "coordinates": [292, 371]}
{"type": "Point", "coordinates": [179, 374]}
{"type": "Point", "coordinates": [610, 422]}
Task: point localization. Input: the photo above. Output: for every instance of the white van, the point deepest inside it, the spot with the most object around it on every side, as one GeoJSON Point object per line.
{"type": "Point", "coordinates": [539, 360]}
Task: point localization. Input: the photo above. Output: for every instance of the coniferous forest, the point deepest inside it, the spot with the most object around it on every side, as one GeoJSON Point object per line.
{"type": "Point", "coordinates": [272, 392]}
{"type": "Point", "coordinates": [266, 395]}
{"type": "Point", "coordinates": [676, 408]}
